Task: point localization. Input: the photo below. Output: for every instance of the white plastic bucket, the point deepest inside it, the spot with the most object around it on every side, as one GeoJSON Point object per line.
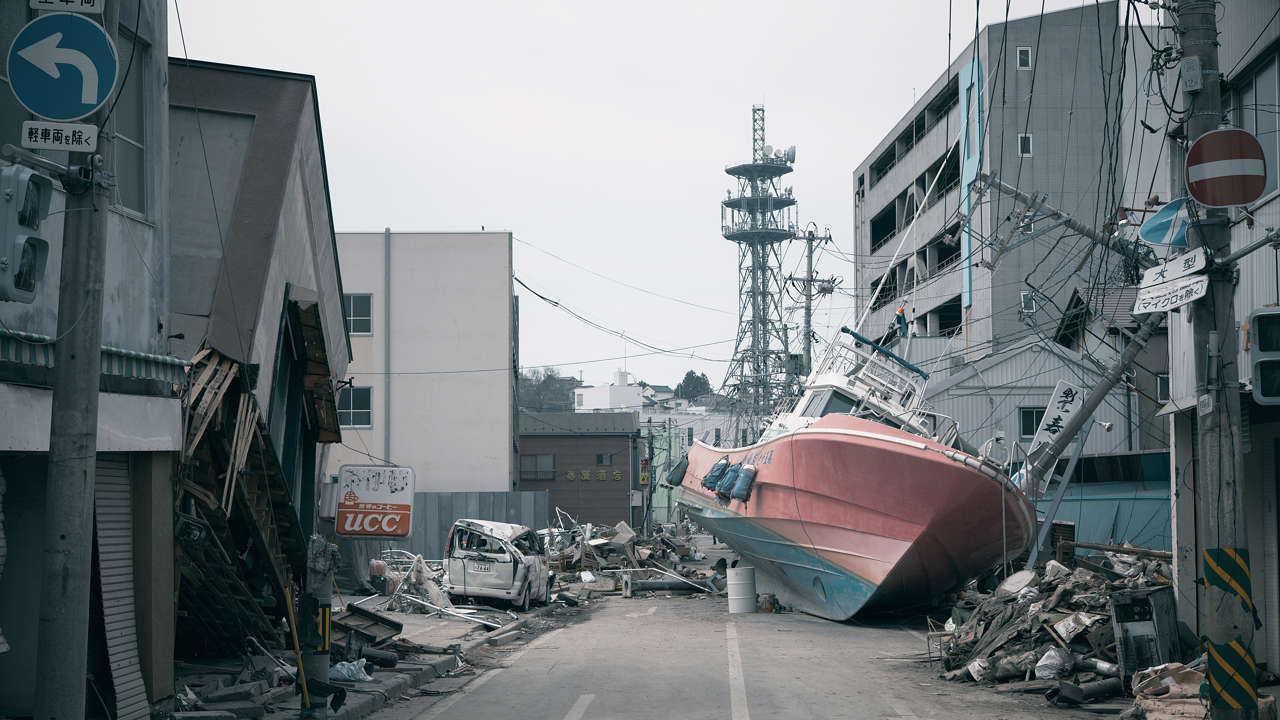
{"type": "Point", "coordinates": [742, 590]}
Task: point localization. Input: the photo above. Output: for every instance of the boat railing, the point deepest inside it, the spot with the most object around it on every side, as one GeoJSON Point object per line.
{"type": "Point", "coordinates": [944, 428]}
{"type": "Point", "coordinates": [886, 377]}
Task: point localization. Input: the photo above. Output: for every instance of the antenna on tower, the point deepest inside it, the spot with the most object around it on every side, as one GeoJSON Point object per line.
{"type": "Point", "coordinates": [759, 217]}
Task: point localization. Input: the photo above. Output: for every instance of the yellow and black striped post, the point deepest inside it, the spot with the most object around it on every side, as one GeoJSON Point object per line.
{"type": "Point", "coordinates": [1232, 676]}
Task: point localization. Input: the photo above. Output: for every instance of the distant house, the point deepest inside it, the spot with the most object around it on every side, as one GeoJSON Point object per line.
{"type": "Point", "coordinates": [620, 395]}
{"type": "Point", "coordinates": [588, 462]}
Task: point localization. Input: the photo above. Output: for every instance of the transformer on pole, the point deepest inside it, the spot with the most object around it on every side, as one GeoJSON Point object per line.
{"type": "Point", "coordinates": [759, 216]}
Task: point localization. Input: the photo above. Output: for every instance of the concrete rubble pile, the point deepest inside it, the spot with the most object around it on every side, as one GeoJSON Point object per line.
{"type": "Point", "coordinates": [1050, 631]}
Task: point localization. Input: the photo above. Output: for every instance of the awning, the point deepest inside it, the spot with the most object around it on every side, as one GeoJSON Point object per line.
{"type": "Point", "coordinates": [33, 349]}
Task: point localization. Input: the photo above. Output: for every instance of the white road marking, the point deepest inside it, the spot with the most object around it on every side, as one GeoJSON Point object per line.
{"type": "Point", "coordinates": [579, 708]}
{"type": "Point", "coordinates": [436, 710]}
{"type": "Point", "coordinates": [902, 710]}
{"type": "Point", "coordinates": [737, 689]}
{"type": "Point", "coordinates": [646, 613]}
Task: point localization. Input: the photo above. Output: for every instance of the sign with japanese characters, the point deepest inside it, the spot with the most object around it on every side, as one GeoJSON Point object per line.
{"type": "Point", "coordinates": [1067, 399]}
{"type": "Point", "coordinates": [1186, 264]}
{"type": "Point", "coordinates": [72, 137]}
{"type": "Point", "coordinates": [62, 66]}
{"type": "Point", "coordinates": [1169, 295]}
{"type": "Point", "coordinates": [89, 7]}
{"type": "Point", "coordinates": [374, 501]}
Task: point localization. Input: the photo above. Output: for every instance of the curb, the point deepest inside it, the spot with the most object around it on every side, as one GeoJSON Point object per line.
{"type": "Point", "coordinates": [387, 686]}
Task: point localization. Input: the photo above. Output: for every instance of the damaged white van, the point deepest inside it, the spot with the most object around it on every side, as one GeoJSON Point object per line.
{"type": "Point", "coordinates": [496, 560]}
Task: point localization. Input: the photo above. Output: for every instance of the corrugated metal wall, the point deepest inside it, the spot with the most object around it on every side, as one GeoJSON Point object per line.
{"type": "Point", "coordinates": [434, 512]}
{"type": "Point", "coordinates": [989, 401]}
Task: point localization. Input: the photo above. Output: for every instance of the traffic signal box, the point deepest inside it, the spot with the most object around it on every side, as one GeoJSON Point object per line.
{"type": "Point", "coordinates": [25, 194]}
{"type": "Point", "coordinates": [1264, 349]}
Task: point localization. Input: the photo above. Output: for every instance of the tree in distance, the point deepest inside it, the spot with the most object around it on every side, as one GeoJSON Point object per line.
{"type": "Point", "coordinates": [693, 385]}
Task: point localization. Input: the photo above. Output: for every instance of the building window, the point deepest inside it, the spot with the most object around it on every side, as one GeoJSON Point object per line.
{"type": "Point", "coordinates": [1024, 145]}
{"type": "Point", "coordinates": [1162, 387]}
{"type": "Point", "coordinates": [1028, 305]}
{"type": "Point", "coordinates": [690, 436]}
{"type": "Point", "coordinates": [359, 312]}
{"type": "Point", "coordinates": [970, 121]}
{"type": "Point", "coordinates": [537, 467]}
{"type": "Point", "coordinates": [1029, 420]}
{"type": "Point", "coordinates": [129, 128]}
{"type": "Point", "coordinates": [604, 459]}
{"type": "Point", "coordinates": [355, 407]}
{"type": "Point", "coordinates": [1024, 58]}
{"type": "Point", "coordinates": [579, 399]}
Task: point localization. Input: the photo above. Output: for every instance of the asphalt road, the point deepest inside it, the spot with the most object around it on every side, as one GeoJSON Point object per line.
{"type": "Point", "coordinates": [685, 657]}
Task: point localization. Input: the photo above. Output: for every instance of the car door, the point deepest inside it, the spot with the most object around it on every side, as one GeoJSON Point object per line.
{"type": "Point", "coordinates": [535, 559]}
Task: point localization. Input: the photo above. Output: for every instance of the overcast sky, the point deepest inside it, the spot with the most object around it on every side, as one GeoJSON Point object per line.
{"type": "Point", "coordinates": [598, 132]}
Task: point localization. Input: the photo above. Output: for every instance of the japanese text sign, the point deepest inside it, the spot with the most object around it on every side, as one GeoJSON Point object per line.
{"type": "Point", "coordinates": [375, 501]}
{"type": "Point", "coordinates": [1066, 400]}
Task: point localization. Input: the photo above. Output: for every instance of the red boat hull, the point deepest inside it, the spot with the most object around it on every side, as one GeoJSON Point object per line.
{"type": "Point", "coordinates": [850, 514]}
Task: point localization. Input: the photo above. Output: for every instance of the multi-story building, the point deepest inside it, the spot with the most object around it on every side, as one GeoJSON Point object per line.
{"type": "Point", "coordinates": [139, 413]}
{"type": "Point", "coordinates": [435, 340]}
{"type": "Point", "coordinates": [587, 462]}
{"type": "Point", "coordinates": [981, 285]}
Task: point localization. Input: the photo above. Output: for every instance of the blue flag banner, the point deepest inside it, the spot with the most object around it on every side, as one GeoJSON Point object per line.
{"type": "Point", "coordinates": [1168, 226]}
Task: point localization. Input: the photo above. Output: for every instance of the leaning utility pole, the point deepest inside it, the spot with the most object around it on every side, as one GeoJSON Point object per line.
{"type": "Point", "coordinates": [1226, 617]}
{"type": "Point", "coordinates": [1043, 463]}
{"type": "Point", "coordinates": [62, 647]}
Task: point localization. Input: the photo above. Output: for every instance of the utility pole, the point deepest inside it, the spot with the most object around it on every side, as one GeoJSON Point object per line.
{"type": "Point", "coordinates": [62, 647]}
{"type": "Point", "coordinates": [1226, 620]}
{"type": "Point", "coordinates": [825, 287]}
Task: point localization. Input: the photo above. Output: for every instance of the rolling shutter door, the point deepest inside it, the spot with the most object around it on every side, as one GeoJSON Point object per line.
{"type": "Point", "coordinates": [113, 515]}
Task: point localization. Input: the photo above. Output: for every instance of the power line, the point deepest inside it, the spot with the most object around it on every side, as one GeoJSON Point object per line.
{"type": "Point", "coordinates": [623, 283]}
{"type": "Point", "coordinates": [608, 330]}
{"type": "Point", "coordinates": [506, 369]}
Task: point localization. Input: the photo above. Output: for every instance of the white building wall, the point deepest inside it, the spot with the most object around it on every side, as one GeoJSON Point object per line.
{"type": "Point", "coordinates": [608, 397]}
{"type": "Point", "coordinates": [450, 378]}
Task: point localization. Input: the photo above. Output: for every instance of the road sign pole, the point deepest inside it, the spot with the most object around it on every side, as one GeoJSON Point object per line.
{"type": "Point", "coordinates": [1224, 618]}
{"type": "Point", "coordinates": [73, 437]}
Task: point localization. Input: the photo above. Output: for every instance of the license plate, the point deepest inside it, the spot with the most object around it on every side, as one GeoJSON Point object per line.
{"type": "Point", "coordinates": [478, 567]}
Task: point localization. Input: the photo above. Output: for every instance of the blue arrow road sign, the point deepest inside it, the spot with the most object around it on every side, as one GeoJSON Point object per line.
{"type": "Point", "coordinates": [1168, 226]}
{"type": "Point", "coordinates": [62, 66]}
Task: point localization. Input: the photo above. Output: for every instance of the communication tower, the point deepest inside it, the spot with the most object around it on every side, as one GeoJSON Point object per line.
{"type": "Point", "coordinates": [759, 216]}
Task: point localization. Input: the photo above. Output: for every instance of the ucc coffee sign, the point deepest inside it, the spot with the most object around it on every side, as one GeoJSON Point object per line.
{"type": "Point", "coordinates": [375, 501]}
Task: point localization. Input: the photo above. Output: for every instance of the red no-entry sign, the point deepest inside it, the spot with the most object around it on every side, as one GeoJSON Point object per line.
{"type": "Point", "coordinates": [1226, 168]}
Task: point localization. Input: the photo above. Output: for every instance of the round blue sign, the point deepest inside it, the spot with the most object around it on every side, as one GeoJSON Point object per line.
{"type": "Point", "coordinates": [62, 66]}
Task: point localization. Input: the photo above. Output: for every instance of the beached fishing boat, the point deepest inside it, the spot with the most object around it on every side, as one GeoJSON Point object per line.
{"type": "Point", "coordinates": [856, 497]}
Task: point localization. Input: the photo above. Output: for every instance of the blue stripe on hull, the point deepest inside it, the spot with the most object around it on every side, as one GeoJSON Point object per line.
{"type": "Point", "coordinates": [805, 580]}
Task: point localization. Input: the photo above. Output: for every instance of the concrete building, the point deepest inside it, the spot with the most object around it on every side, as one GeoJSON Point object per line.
{"type": "Point", "coordinates": [982, 286]}
{"type": "Point", "coordinates": [139, 414]}
{"type": "Point", "coordinates": [435, 338]}
{"type": "Point", "coordinates": [1249, 56]}
{"type": "Point", "coordinates": [588, 462]}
